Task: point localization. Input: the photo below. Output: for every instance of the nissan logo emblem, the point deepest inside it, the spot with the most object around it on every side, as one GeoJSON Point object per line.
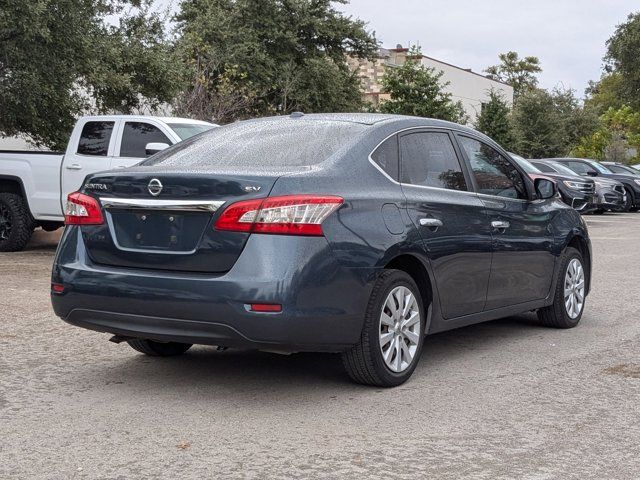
{"type": "Point", "coordinates": [155, 187]}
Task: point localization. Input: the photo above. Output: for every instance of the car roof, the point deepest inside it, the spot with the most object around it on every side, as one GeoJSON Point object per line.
{"type": "Point", "coordinates": [392, 121]}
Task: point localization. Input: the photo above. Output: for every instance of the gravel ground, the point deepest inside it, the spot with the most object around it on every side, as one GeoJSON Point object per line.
{"type": "Point", "coordinates": [506, 399]}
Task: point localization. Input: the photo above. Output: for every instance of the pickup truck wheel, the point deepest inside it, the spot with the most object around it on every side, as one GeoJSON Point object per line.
{"type": "Point", "coordinates": [392, 335]}
{"type": "Point", "coordinates": [570, 295]}
{"type": "Point", "coordinates": [159, 349]}
{"type": "Point", "coordinates": [16, 223]}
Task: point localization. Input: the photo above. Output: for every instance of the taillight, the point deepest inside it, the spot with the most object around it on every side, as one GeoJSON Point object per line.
{"type": "Point", "coordinates": [285, 215]}
{"type": "Point", "coordinates": [82, 209]}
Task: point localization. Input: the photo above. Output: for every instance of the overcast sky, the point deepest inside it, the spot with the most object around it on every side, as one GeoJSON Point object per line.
{"type": "Point", "coordinates": [567, 35]}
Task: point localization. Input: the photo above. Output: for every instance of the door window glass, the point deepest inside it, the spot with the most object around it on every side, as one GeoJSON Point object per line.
{"type": "Point", "coordinates": [543, 167]}
{"type": "Point", "coordinates": [94, 139]}
{"type": "Point", "coordinates": [494, 174]}
{"type": "Point", "coordinates": [135, 137]}
{"type": "Point", "coordinates": [386, 157]}
{"type": "Point", "coordinates": [581, 168]}
{"type": "Point", "coordinates": [429, 160]}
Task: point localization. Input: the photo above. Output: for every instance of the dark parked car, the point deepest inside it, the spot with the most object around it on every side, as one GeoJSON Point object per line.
{"type": "Point", "coordinates": [578, 192]}
{"type": "Point", "coordinates": [609, 194]}
{"type": "Point", "coordinates": [592, 168]}
{"type": "Point", "coordinates": [617, 167]}
{"type": "Point", "coordinates": [343, 233]}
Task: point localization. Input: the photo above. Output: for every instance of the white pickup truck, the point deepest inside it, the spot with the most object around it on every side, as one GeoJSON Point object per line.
{"type": "Point", "coordinates": [34, 185]}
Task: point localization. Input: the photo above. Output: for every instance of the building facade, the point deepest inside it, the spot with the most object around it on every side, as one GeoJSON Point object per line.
{"type": "Point", "coordinates": [470, 88]}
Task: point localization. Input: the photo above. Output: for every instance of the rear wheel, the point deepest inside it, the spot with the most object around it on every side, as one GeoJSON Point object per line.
{"type": "Point", "coordinates": [159, 349]}
{"type": "Point", "coordinates": [570, 295]}
{"type": "Point", "coordinates": [16, 223]}
{"type": "Point", "coordinates": [393, 333]}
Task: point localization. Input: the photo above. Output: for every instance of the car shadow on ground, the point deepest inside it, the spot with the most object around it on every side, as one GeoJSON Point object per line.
{"type": "Point", "coordinates": [44, 241]}
{"type": "Point", "coordinates": [236, 371]}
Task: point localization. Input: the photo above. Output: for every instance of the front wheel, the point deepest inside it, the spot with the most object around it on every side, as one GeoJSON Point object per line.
{"type": "Point", "coordinates": [628, 200]}
{"type": "Point", "coordinates": [159, 349]}
{"type": "Point", "coordinates": [570, 295]}
{"type": "Point", "coordinates": [393, 333]}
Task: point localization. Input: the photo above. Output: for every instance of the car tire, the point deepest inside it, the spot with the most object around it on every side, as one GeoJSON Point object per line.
{"type": "Point", "coordinates": [629, 202]}
{"type": "Point", "coordinates": [16, 223]}
{"type": "Point", "coordinates": [159, 349]}
{"type": "Point", "coordinates": [365, 362]}
{"type": "Point", "coordinates": [560, 314]}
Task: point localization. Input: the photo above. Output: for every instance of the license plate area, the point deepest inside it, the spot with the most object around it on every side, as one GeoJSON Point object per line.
{"type": "Point", "coordinates": [178, 232]}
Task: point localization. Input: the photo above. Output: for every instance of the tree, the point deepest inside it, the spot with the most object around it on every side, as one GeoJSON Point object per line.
{"type": "Point", "coordinates": [622, 57]}
{"type": "Point", "coordinates": [494, 120]}
{"type": "Point", "coordinates": [417, 90]}
{"type": "Point", "coordinates": [518, 72]}
{"type": "Point", "coordinates": [605, 93]}
{"type": "Point", "coordinates": [550, 124]}
{"type": "Point", "coordinates": [59, 59]}
{"type": "Point", "coordinates": [616, 139]}
{"type": "Point", "coordinates": [260, 57]}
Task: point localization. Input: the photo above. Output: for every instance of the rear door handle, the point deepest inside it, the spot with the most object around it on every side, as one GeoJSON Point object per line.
{"type": "Point", "coordinates": [432, 223]}
{"type": "Point", "coordinates": [74, 166]}
{"type": "Point", "coordinates": [500, 225]}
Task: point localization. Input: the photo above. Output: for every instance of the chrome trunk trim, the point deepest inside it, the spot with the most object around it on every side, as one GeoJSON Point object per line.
{"type": "Point", "coordinates": [155, 204]}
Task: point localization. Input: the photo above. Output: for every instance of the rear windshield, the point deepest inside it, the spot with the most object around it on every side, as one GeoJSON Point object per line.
{"type": "Point", "coordinates": [287, 142]}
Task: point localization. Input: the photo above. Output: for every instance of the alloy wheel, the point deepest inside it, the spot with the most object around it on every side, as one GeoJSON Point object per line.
{"type": "Point", "coordinates": [400, 329]}
{"type": "Point", "coordinates": [5, 222]}
{"type": "Point", "coordinates": [574, 288]}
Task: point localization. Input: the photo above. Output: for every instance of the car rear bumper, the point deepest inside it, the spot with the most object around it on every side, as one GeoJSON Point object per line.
{"type": "Point", "coordinates": [323, 303]}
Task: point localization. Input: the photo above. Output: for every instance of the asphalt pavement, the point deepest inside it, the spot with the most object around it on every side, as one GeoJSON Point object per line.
{"type": "Point", "coordinates": [502, 400]}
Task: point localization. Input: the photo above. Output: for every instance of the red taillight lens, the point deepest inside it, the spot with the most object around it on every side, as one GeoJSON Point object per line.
{"type": "Point", "coordinates": [82, 209]}
{"type": "Point", "coordinates": [266, 307]}
{"type": "Point", "coordinates": [285, 215]}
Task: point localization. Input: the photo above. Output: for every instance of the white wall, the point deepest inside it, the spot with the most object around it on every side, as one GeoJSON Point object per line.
{"type": "Point", "coordinates": [470, 88]}
{"type": "Point", "coordinates": [14, 143]}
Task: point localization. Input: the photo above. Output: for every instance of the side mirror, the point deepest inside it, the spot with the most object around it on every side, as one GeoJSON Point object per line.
{"type": "Point", "coordinates": [592, 173]}
{"type": "Point", "coordinates": [545, 188]}
{"type": "Point", "coordinates": [155, 147]}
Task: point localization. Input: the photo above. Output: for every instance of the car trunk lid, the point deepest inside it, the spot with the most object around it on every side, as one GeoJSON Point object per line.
{"type": "Point", "coordinates": [165, 221]}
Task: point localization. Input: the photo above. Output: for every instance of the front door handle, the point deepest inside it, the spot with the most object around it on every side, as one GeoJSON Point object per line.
{"type": "Point", "coordinates": [500, 225]}
{"type": "Point", "coordinates": [74, 166]}
{"type": "Point", "coordinates": [432, 223]}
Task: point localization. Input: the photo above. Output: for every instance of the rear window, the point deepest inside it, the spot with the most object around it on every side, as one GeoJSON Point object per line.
{"type": "Point", "coordinates": [188, 130]}
{"type": "Point", "coordinates": [95, 138]}
{"type": "Point", "coordinates": [262, 144]}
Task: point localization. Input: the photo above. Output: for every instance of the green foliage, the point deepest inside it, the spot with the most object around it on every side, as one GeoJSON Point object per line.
{"type": "Point", "coordinates": [58, 59]}
{"type": "Point", "coordinates": [260, 57]}
{"type": "Point", "coordinates": [618, 134]}
{"type": "Point", "coordinates": [550, 124]}
{"type": "Point", "coordinates": [494, 120]}
{"type": "Point", "coordinates": [518, 72]}
{"type": "Point", "coordinates": [417, 90]}
{"type": "Point", "coordinates": [605, 94]}
{"type": "Point", "coordinates": [623, 57]}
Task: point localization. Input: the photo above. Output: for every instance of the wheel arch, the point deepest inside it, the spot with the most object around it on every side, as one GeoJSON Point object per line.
{"type": "Point", "coordinates": [580, 243]}
{"type": "Point", "coordinates": [15, 185]}
{"type": "Point", "coordinates": [419, 272]}
{"type": "Point", "coordinates": [12, 184]}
